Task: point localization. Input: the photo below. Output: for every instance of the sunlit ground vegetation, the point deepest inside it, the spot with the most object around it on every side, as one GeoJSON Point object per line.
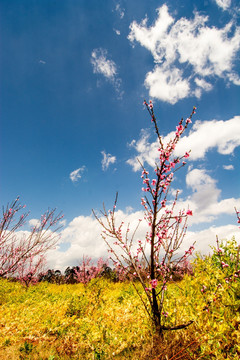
{"type": "Point", "coordinates": [105, 319]}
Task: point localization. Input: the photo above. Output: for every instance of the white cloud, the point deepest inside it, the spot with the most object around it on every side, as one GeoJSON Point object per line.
{"type": "Point", "coordinates": [83, 234]}
{"type": "Point", "coordinates": [186, 44]}
{"type": "Point", "coordinates": [107, 68]}
{"type": "Point", "coordinates": [224, 4]}
{"type": "Point", "coordinates": [34, 222]}
{"type": "Point", "coordinates": [63, 222]}
{"type": "Point", "coordinates": [147, 152]}
{"type": "Point", "coordinates": [204, 136]}
{"type": "Point", "coordinates": [202, 85]}
{"type": "Point", "coordinates": [234, 78]}
{"type": "Point", "coordinates": [207, 237]}
{"type": "Point", "coordinates": [117, 32]}
{"type": "Point", "coordinates": [77, 174]}
{"type": "Point", "coordinates": [228, 167]}
{"type": "Point", "coordinates": [150, 37]}
{"type": "Point", "coordinates": [205, 192]}
{"type": "Point", "coordinates": [167, 84]}
{"type": "Point", "coordinates": [107, 160]}
{"type": "Point", "coordinates": [205, 200]}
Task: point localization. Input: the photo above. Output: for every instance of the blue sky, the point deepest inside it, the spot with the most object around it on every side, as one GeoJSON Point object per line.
{"type": "Point", "coordinates": [74, 75]}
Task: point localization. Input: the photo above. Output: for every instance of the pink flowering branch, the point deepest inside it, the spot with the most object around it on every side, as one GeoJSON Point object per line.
{"type": "Point", "coordinates": [18, 248]}
{"type": "Point", "coordinates": [238, 215]}
{"type": "Point", "coordinates": [155, 255]}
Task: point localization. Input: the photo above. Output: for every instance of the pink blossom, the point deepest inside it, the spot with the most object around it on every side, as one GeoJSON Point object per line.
{"type": "Point", "coordinates": [163, 203]}
{"type": "Point", "coordinates": [224, 264]}
{"type": "Point", "coordinates": [189, 212]}
{"type": "Point", "coordinates": [186, 155]}
{"type": "Point", "coordinates": [154, 283]}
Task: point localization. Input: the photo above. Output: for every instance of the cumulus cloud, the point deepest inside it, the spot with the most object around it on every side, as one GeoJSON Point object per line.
{"type": "Point", "coordinates": [34, 222]}
{"type": "Point", "coordinates": [224, 4]}
{"type": "Point", "coordinates": [107, 160]}
{"type": "Point", "coordinates": [75, 175]}
{"type": "Point", "coordinates": [183, 45]}
{"type": "Point", "coordinates": [106, 67]}
{"type": "Point", "coordinates": [167, 84]}
{"type": "Point", "coordinates": [205, 238]}
{"type": "Point", "coordinates": [205, 198]}
{"type": "Point", "coordinates": [225, 137]}
{"type": "Point", "coordinates": [201, 85]}
{"type": "Point", "coordinates": [204, 136]}
{"type": "Point", "coordinates": [83, 236]}
{"type": "Point", "coordinates": [147, 152]}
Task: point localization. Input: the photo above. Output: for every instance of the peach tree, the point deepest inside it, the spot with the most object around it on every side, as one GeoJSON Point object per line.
{"type": "Point", "coordinates": [150, 260]}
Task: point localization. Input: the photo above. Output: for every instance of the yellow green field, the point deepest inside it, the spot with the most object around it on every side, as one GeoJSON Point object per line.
{"type": "Point", "coordinates": [106, 320]}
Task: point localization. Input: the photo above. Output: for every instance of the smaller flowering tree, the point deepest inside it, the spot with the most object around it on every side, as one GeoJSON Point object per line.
{"type": "Point", "coordinates": [22, 253]}
{"type": "Point", "coordinates": [226, 257]}
{"type": "Point", "coordinates": [29, 270]}
{"type": "Point", "coordinates": [87, 271]}
{"type": "Point", "coordinates": [151, 259]}
{"type": "Point", "coordinates": [221, 272]}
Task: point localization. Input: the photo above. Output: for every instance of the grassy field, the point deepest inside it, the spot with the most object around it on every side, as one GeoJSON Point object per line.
{"type": "Point", "coordinates": [106, 320]}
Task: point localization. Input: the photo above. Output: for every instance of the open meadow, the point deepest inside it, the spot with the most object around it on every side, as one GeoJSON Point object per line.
{"type": "Point", "coordinates": [106, 319]}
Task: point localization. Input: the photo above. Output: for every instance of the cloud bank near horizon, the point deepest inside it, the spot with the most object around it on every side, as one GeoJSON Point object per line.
{"type": "Point", "coordinates": [83, 234]}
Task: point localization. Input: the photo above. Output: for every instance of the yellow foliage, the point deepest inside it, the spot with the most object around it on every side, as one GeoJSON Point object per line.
{"type": "Point", "coordinates": [106, 320]}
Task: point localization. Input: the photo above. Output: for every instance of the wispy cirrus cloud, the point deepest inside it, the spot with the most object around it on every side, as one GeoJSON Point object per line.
{"type": "Point", "coordinates": [76, 175]}
{"type": "Point", "coordinates": [106, 67]}
{"type": "Point", "coordinates": [102, 65]}
{"type": "Point", "coordinates": [120, 11]}
{"type": "Point", "coordinates": [183, 46]}
{"type": "Point", "coordinates": [107, 160]}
